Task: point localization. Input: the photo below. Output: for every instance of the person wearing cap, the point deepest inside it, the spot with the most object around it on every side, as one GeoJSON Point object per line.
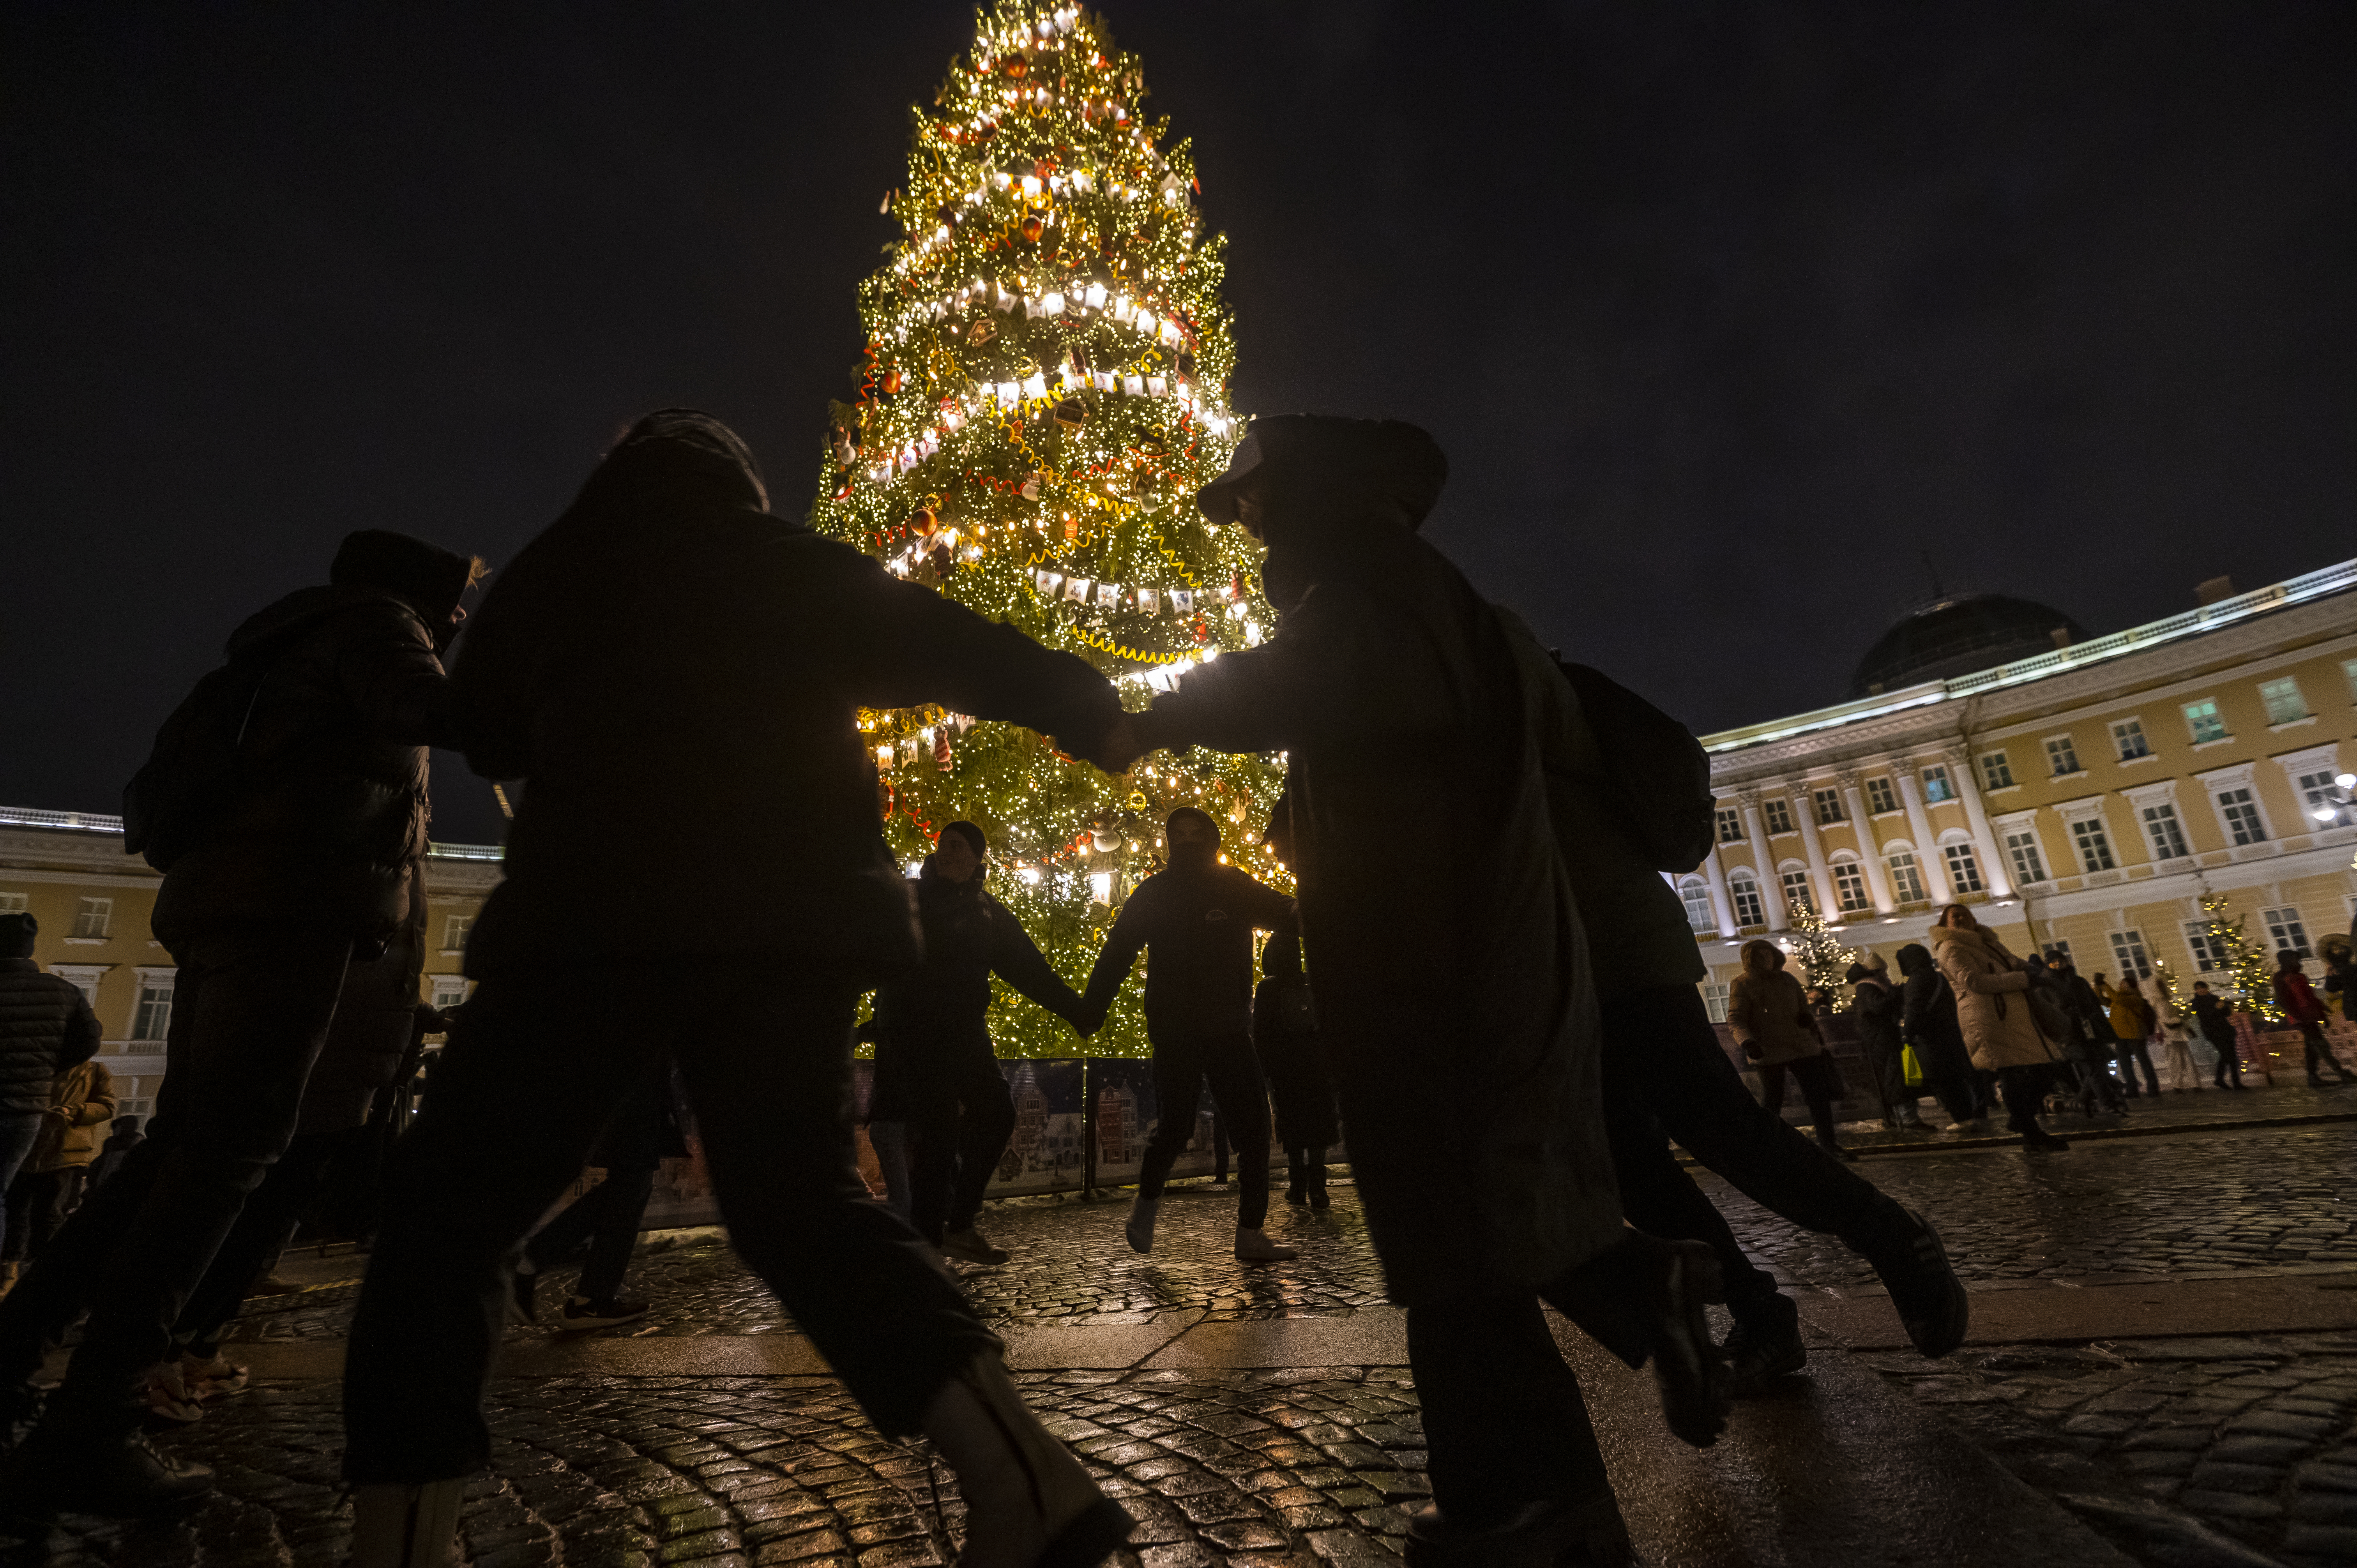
{"type": "Point", "coordinates": [935, 1071]}
{"type": "Point", "coordinates": [308, 855]}
{"type": "Point", "coordinates": [1194, 920]}
{"type": "Point", "coordinates": [1441, 931]}
{"type": "Point", "coordinates": [676, 673]}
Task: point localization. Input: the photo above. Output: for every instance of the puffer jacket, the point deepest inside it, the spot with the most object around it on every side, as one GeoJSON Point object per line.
{"type": "Point", "coordinates": [1992, 1001]}
{"type": "Point", "coordinates": [2129, 1012]}
{"type": "Point", "coordinates": [1771, 1014]}
{"type": "Point", "coordinates": [85, 1094]}
{"type": "Point", "coordinates": [45, 1028]}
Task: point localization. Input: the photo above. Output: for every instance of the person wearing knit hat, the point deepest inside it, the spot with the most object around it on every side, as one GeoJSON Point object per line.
{"type": "Point", "coordinates": [285, 805]}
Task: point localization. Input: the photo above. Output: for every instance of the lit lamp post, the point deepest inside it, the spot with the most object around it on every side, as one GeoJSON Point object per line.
{"type": "Point", "coordinates": [2339, 801]}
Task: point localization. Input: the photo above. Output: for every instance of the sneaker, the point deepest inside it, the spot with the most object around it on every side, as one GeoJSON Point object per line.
{"type": "Point", "coordinates": [968, 1246]}
{"type": "Point", "coordinates": [167, 1401]}
{"type": "Point", "coordinates": [1253, 1246]}
{"type": "Point", "coordinates": [1930, 1300]}
{"type": "Point", "coordinates": [583, 1313]}
{"type": "Point", "coordinates": [1761, 1351]}
{"type": "Point", "coordinates": [114, 1477]}
{"type": "Point", "coordinates": [1140, 1228]}
{"type": "Point", "coordinates": [211, 1376]}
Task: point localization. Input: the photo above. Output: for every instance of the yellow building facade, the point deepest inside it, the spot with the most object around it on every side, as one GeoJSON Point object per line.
{"type": "Point", "coordinates": [2082, 792]}
{"type": "Point", "coordinates": [93, 902]}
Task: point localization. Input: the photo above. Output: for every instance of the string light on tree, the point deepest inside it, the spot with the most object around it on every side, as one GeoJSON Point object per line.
{"type": "Point", "coordinates": [2249, 969]}
{"type": "Point", "coordinates": [1042, 391]}
{"type": "Point", "coordinates": [1824, 959]}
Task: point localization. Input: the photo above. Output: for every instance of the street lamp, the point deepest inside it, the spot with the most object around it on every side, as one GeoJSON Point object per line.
{"type": "Point", "coordinates": [2336, 802]}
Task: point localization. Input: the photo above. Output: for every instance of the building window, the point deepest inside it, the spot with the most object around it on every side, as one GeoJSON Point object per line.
{"type": "Point", "coordinates": [2314, 790]}
{"type": "Point", "coordinates": [2282, 700]}
{"type": "Point", "coordinates": [12, 903]}
{"type": "Point", "coordinates": [454, 932]}
{"type": "Point", "coordinates": [1745, 894]}
{"type": "Point", "coordinates": [1780, 815]}
{"type": "Point", "coordinates": [1880, 796]}
{"type": "Point", "coordinates": [2349, 673]}
{"type": "Point", "coordinates": [1694, 893]}
{"type": "Point", "coordinates": [2208, 957]}
{"type": "Point", "coordinates": [2160, 825]}
{"type": "Point", "coordinates": [92, 916]}
{"type": "Point", "coordinates": [2127, 953]}
{"type": "Point", "coordinates": [2202, 719]}
{"type": "Point", "coordinates": [1996, 773]}
{"type": "Point", "coordinates": [155, 1015]}
{"type": "Point", "coordinates": [1905, 880]}
{"type": "Point", "coordinates": [1936, 786]}
{"type": "Point", "coordinates": [1964, 871]}
{"type": "Point", "coordinates": [1796, 891]}
{"type": "Point", "coordinates": [2286, 930]}
{"type": "Point", "coordinates": [1714, 1001]}
{"type": "Point", "coordinates": [450, 989]}
{"type": "Point", "coordinates": [2128, 736]}
{"type": "Point", "coordinates": [1829, 806]}
{"type": "Point", "coordinates": [2095, 847]}
{"type": "Point", "coordinates": [2242, 815]}
{"type": "Point", "coordinates": [2059, 756]}
{"type": "Point", "coordinates": [1850, 884]}
{"type": "Point", "coordinates": [1730, 826]}
{"type": "Point", "coordinates": [2029, 865]}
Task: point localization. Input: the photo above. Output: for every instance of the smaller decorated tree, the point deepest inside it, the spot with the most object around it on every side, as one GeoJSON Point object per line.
{"type": "Point", "coordinates": [2249, 969]}
{"type": "Point", "coordinates": [1823, 957]}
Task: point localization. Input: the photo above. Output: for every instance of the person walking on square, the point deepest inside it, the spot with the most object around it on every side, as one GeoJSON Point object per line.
{"type": "Point", "coordinates": [2132, 1023]}
{"type": "Point", "coordinates": [1195, 919]}
{"type": "Point", "coordinates": [2177, 1024]}
{"type": "Point", "coordinates": [2000, 1025]}
{"type": "Point", "coordinates": [285, 805]}
{"type": "Point", "coordinates": [675, 673]}
{"type": "Point", "coordinates": [1875, 1009]}
{"type": "Point", "coordinates": [2216, 1022]}
{"type": "Point", "coordinates": [47, 1035]}
{"type": "Point", "coordinates": [644, 1133]}
{"type": "Point", "coordinates": [1284, 1036]}
{"type": "Point", "coordinates": [2090, 1047]}
{"type": "Point", "coordinates": [1927, 1021]}
{"type": "Point", "coordinates": [936, 1071]}
{"type": "Point", "coordinates": [2306, 1010]}
{"type": "Point", "coordinates": [1776, 1029]}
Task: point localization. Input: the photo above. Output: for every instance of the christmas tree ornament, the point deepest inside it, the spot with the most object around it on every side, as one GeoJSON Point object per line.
{"type": "Point", "coordinates": [891, 381]}
{"type": "Point", "coordinates": [983, 331]}
{"type": "Point", "coordinates": [1029, 488]}
{"type": "Point", "coordinates": [1069, 414]}
{"type": "Point", "coordinates": [925, 521]}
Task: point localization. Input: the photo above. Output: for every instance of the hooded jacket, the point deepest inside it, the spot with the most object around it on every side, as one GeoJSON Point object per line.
{"type": "Point", "coordinates": [677, 674]}
{"type": "Point", "coordinates": [1875, 1008]}
{"type": "Point", "coordinates": [328, 822]}
{"type": "Point", "coordinates": [2128, 1013]}
{"type": "Point", "coordinates": [1769, 1010]}
{"type": "Point", "coordinates": [46, 1027]}
{"type": "Point", "coordinates": [1199, 922]}
{"type": "Point", "coordinates": [1992, 1004]}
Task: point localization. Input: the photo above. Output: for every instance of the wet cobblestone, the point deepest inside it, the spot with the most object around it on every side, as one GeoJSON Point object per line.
{"type": "Point", "coordinates": [1247, 1468]}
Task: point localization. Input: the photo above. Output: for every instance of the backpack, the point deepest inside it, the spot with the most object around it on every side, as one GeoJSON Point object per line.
{"type": "Point", "coordinates": [1662, 772]}
{"type": "Point", "coordinates": [192, 774]}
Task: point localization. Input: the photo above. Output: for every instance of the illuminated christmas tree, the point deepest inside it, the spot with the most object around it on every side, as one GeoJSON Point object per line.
{"type": "Point", "coordinates": [1822, 957]}
{"type": "Point", "coordinates": [2250, 971]}
{"type": "Point", "coordinates": [1044, 388]}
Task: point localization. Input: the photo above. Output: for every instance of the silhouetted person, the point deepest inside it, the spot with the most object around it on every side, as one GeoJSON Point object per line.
{"type": "Point", "coordinates": [47, 1031]}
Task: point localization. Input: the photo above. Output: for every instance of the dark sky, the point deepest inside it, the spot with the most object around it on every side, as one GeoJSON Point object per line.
{"type": "Point", "coordinates": [1725, 312]}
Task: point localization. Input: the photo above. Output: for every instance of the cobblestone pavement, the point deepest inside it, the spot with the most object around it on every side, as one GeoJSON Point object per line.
{"type": "Point", "coordinates": [1244, 1468]}
{"type": "Point", "coordinates": [2187, 1453]}
{"type": "Point", "coordinates": [2173, 1109]}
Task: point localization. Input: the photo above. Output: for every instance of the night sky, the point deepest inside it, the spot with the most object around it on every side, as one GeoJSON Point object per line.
{"type": "Point", "coordinates": [1728, 314]}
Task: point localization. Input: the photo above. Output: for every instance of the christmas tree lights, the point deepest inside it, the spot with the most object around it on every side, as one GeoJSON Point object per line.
{"type": "Point", "coordinates": [1823, 957]}
{"type": "Point", "coordinates": [1043, 390]}
{"type": "Point", "coordinates": [2250, 971]}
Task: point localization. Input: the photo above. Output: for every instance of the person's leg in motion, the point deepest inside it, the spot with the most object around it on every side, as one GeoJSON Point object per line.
{"type": "Point", "coordinates": [988, 1126]}
{"type": "Point", "coordinates": [263, 1230]}
{"type": "Point", "coordinates": [2025, 1093]}
{"type": "Point", "coordinates": [1177, 1081]}
{"type": "Point", "coordinates": [1816, 1077]}
{"type": "Point", "coordinates": [770, 1074]}
{"type": "Point", "coordinates": [934, 1126]}
{"type": "Point", "coordinates": [1240, 1094]}
{"type": "Point", "coordinates": [598, 1298]}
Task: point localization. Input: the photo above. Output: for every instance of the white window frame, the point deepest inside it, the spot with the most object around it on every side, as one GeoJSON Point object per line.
{"type": "Point", "coordinates": [1776, 816]}
{"type": "Point", "coordinates": [1881, 796]}
{"type": "Point", "coordinates": [1742, 884]}
{"type": "Point", "coordinates": [2158, 796]}
{"type": "Point", "coordinates": [1793, 877]}
{"type": "Point", "coordinates": [2219, 782]}
{"type": "Point", "coordinates": [2193, 725]}
{"type": "Point", "coordinates": [1851, 894]}
{"type": "Point", "coordinates": [456, 930]}
{"type": "Point", "coordinates": [82, 977]}
{"type": "Point", "coordinates": [455, 987]}
{"type": "Point", "coordinates": [1996, 771]}
{"type": "Point", "coordinates": [1731, 824]}
{"type": "Point", "coordinates": [2129, 741]}
{"type": "Point", "coordinates": [1938, 787]}
{"type": "Point", "coordinates": [1702, 918]}
{"type": "Point", "coordinates": [2270, 695]}
{"type": "Point", "coordinates": [2287, 927]}
{"type": "Point", "coordinates": [1962, 857]}
{"type": "Point", "coordinates": [163, 978]}
{"type": "Point", "coordinates": [2129, 954]}
{"type": "Point", "coordinates": [2297, 764]}
{"type": "Point", "coordinates": [104, 909]}
{"type": "Point", "coordinates": [1899, 858]}
{"type": "Point", "coordinates": [1824, 801]}
{"type": "Point", "coordinates": [2061, 748]}
{"type": "Point", "coordinates": [2196, 943]}
{"type": "Point", "coordinates": [14, 903]}
{"type": "Point", "coordinates": [1714, 1000]}
{"type": "Point", "coordinates": [2348, 674]}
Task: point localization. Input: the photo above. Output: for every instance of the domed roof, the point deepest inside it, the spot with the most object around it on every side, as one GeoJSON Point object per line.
{"type": "Point", "coordinates": [1957, 635]}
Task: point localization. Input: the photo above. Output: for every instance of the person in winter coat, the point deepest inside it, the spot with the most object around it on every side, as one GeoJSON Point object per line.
{"type": "Point", "coordinates": [306, 860]}
{"type": "Point", "coordinates": [1780, 1033]}
{"type": "Point", "coordinates": [935, 1071]}
{"type": "Point", "coordinates": [1284, 1037]}
{"type": "Point", "coordinates": [1195, 921]}
{"type": "Point", "coordinates": [2306, 1010]}
{"type": "Point", "coordinates": [1927, 1021]}
{"type": "Point", "coordinates": [2177, 1022]}
{"type": "Point", "coordinates": [676, 674]}
{"type": "Point", "coordinates": [1993, 1009]}
{"type": "Point", "coordinates": [2088, 1046]}
{"type": "Point", "coordinates": [2216, 1022]}
{"type": "Point", "coordinates": [1875, 1008]}
{"type": "Point", "coordinates": [46, 1029]}
{"type": "Point", "coordinates": [1453, 985]}
{"type": "Point", "coordinates": [644, 1132]}
{"type": "Point", "coordinates": [2132, 1021]}
{"type": "Point", "coordinates": [45, 1190]}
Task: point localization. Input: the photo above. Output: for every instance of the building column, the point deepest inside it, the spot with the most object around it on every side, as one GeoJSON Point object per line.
{"type": "Point", "coordinates": [1821, 876]}
{"type": "Point", "coordinates": [1919, 823]}
{"type": "Point", "coordinates": [1720, 903]}
{"type": "Point", "coordinates": [1763, 864]}
{"type": "Point", "coordinates": [1996, 870]}
{"type": "Point", "coordinates": [1869, 851]}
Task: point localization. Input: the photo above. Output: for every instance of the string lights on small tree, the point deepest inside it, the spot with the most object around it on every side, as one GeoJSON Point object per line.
{"type": "Point", "coordinates": [1042, 391]}
{"type": "Point", "coordinates": [2250, 971]}
{"type": "Point", "coordinates": [1824, 959]}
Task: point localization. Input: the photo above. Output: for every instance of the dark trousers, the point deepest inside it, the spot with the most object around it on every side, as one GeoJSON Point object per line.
{"type": "Point", "coordinates": [1886, 1061]}
{"type": "Point", "coordinates": [1818, 1085]}
{"type": "Point", "coordinates": [249, 1014]}
{"type": "Point", "coordinates": [765, 1052]}
{"type": "Point", "coordinates": [1949, 1071]}
{"type": "Point", "coordinates": [957, 1131]}
{"type": "Point", "coordinates": [2230, 1058]}
{"type": "Point", "coordinates": [2320, 1054]}
{"type": "Point", "coordinates": [2133, 1054]}
{"type": "Point", "coordinates": [1182, 1062]}
{"type": "Point", "coordinates": [18, 1136]}
{"type": "Point", "coordinates": [263, 1230]}
{"type": "Point", "coordinates": [607, 1217]}
{"type": "Point", "coordinates": [1504, 1424]}
{"type": "Point", "coordinates": [1666, 1078]}
{"type": "Point", "coordinates": [39, 1202]}
{"type": "Point", "coordinates": [2024, 1088]}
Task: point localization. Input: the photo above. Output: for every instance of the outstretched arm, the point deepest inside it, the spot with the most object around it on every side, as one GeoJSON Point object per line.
{"type": "Point", "coordinates": [1121, 949]}
{"type": "Point", "coordinates": [1016, 959]}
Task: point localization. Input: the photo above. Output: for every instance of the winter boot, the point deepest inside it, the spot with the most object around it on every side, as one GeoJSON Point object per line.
{"type": "Point", "coordinates": [970, 1246]}
{"type": "Point", "coordinates": [1763, 1345]}
{"type": "Point", "coordinates": [1315, 1163]}
{"type": "Point", "coordinates": [1140, 1229]}
{"type": "Point", "coordinates": [1643, 1299]}
{"type": "Point", "coordinates": [1297, 1177]}
{"type": "Point", "coordinates": [1253, 1246]}
{"type": "Point", "coordinates": [397, 1526]}
{"type": "Point", "coordinates": [1914, 1268]}
{"type": "Point", "coordinates": [1028, 1503]}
